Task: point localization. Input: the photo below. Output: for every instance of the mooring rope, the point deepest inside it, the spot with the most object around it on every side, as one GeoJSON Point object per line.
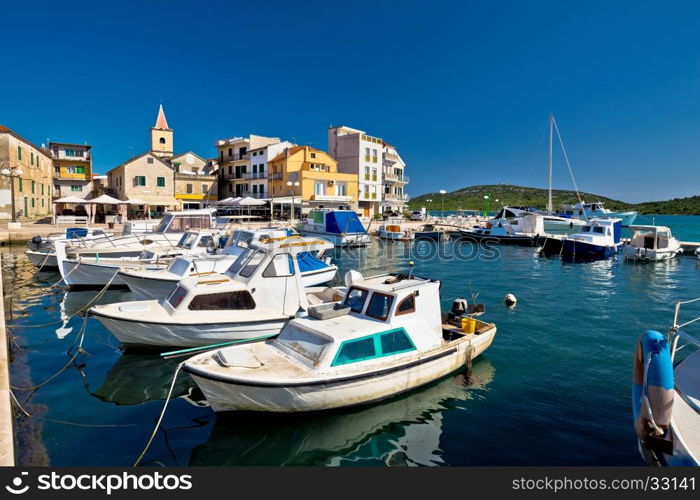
{"type": "Point", "coordinates": [160, 417]}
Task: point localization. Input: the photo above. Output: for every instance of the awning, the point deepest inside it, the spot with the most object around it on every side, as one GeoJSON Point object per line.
{"type": "Point", "coordinates": [71, 199]}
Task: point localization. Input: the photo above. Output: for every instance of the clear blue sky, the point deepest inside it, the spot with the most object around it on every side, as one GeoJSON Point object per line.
{"type": "Point", "coordinates": [463, 89]}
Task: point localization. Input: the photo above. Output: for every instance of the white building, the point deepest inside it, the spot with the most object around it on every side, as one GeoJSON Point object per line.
{"type": "Point", "coordinates": [257, 173]}
{"type": "Point", "coordinates": [233, 159]}
{"type": "Point", "coordinates": [361, 154]}
{"type": "Point", "coordinates": [395, 179]}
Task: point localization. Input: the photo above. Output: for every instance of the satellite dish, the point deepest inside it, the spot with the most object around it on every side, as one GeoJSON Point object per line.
{"type": "Point", "coordinates": [293, 176]}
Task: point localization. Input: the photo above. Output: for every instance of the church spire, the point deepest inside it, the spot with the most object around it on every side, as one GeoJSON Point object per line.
{"type": "Point", "coordinates": [161, 122]}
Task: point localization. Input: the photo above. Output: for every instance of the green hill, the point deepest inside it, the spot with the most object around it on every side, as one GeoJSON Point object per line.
{"type": "Point", "coordinates": [472, 198]}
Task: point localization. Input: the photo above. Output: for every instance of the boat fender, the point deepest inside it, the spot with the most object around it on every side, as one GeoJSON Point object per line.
{"type": "Point", "coordinates": [352, 276]}
{"type": "Point", "coordinates": [510, 300]}
{"type": "Point", "coordinates": [652, 405]}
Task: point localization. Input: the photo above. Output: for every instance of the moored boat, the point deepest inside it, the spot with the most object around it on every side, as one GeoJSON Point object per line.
{"type": "Point", "coordinates": [598, 239]}
{"type": "Point", "coordinates": [583, 211]}
{"type": "Point", "coordinates": [651, 243]}
{"type": "Point", "coordinates": [387, 337]}
{"type": "Point", "coordinates": [666, 395]}
{"type": "Point", "coordinates": [40, 251]}
{"type": "Point", "coordinates": [260, 293]}
{"type": "Point", "coordinates": [343, 228]}
{"type": "Point", "coordinates": [391, 230]}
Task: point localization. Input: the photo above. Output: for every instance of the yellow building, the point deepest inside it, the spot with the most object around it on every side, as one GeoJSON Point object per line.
{"type": "Point", "coordinates": [33, 187]}
{"type": "Point", "coordinates": [320, 185]}
{"type": "Point", "coordinates": [72, 165]}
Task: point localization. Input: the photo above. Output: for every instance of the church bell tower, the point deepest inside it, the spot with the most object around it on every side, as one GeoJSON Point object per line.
{"type": "Point", "coordinates": [161, 136]}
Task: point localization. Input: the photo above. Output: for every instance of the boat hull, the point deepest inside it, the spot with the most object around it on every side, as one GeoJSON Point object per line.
{"type": "Point", "coordinates": [225, 395]}
{"type": "Point", "coordinates": [44, 260]}
{"type": "Point", "coordinates": [500, 240]}
{"type": "Point", "coordinates": [562, 227]}
{"type": "Point", "coordinates": [648, 255]}
{"type": "Point", "coordinates": [586, 251]}
{"type": "Point", "coordinates": [428, 235]}
{"type": "Point", "coordinates": [341, 240]}
{"type": "Point", "coordinates": [145, 334]}
{"type": "Point", "coordinates": [83, 274]}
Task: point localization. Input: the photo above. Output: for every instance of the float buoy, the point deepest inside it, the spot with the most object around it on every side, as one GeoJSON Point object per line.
{"type": "Point", "coordinates": [652, 387]}
{"type": "Point", "coordinates": [510, 300]}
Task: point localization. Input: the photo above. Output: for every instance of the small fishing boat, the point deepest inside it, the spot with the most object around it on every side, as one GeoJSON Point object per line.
{"type": "Point", "coordinates": [387, 337]}
{"type": "Point", "coordinates": [259, 294]}
{"type": "Point", "coordinates": [171, 228]}
{"type": "Point", "coordinates": [154, 284]}
{"type": "Point", "coordinates": [343, 228]}
{"type": "Point", "coordinates": [666, 395]}
{"type": "Point", "coordinates": [40, 251]}
{"type": "Point", "coordinates": [583, 211]}
{"type": "Point", "coordinates": [391, 230]}
{"type": "Point", "coordinates": [598, 239]}
{"type": "Point", "coordinates": [552, 224]}
{"type": "Point", "coordinates": [651, 243]}
{"type": "Point", "coordinates": [525, 230]}
{"type": "Point", "coordinates": [97, 271]}
{"type": "Point", "coordinates": [429, 232]}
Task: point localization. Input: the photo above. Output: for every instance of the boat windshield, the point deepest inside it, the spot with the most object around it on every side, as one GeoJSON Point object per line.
{"type": "Point", "coordinates": [302, 342]}
{"type": "Point", "coordinates": [355, 298]}
{"type": "Point", "coordinates": [179, 223]}
{"type": "Point", "coordinates": [187, 240]}
{"type": "Point", "coordinates": [246, 263]}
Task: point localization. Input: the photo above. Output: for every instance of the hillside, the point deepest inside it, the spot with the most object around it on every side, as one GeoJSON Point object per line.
{"type": "Point", "coordinates": [472, 198]}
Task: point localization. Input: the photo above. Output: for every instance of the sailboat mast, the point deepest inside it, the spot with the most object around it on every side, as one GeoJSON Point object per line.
{"type": "Point", "coordinates": [550, 208]}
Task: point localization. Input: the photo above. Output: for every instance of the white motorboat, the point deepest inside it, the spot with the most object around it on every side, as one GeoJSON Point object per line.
{"type": "Point", "coordinates": [171, 228]}
{"type": "Point", "coordinates": [598, 239]}
{"type": "Point", "coordinates": [387, 337]}
{"type": "Point", "coordinates": [97, 271]}
{"type": "Point", "coordinates": [525, 230]}
{"type": "Point", "coordinates": [343, 228]}
{"type": "Point", "coordinates": [666, 395]}
{"type": "Point", "coordinates": [40, 251]}
{"type": "Point", "coordinates": [583, 211]}
{"type": "Point", "coordinates": [154, 284]}
{"type": "Point", "coordinates": [262, 290]}
{"type": "Point", "coordinates": [651, 243]}
{"type": "Point", "coordinates": [391, 230]}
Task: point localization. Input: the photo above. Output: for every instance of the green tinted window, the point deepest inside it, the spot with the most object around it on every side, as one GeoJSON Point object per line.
{"type": "Point", "coordinates": [355, 350]}
{"type": "Point", "coordinates": [374, 346]}
{"type": "Point", "coordinates": [395, 341]}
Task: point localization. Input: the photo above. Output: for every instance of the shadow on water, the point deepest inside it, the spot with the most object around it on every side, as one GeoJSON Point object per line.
{"type": "Point", "coordinates": [406, 430]}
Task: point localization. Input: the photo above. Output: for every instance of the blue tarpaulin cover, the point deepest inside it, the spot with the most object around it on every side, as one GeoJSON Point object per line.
{"type": "Point", "coordinates": [309, 262]}
{"type": "Point", "coordinates": [343, 221]}
{"type": "Point", "coordinates": [76, 232]}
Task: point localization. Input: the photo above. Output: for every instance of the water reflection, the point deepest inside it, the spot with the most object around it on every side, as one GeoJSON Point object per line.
{"type": "Point", "coordinates": [402, 431]}
{"type": "Point", "coordinates": [139, 377]}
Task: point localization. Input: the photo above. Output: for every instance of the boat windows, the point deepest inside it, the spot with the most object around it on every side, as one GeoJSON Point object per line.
{"type": "Point", "coordinates": [374, 346]}
{"type": "Point", "coordinates": [356, 299]}
{"type": "Point", "coordinates": [406, 306]}
{"type": "Point", "coordinates": [250, 265]}
{"type": "Point", "coordinates": [239, 300]}
{"type": "Point", "coordinates": [280, 266]}
{"type": "Point", "coordinates": [396, 341]}
{"type": "Point", "coordinates": [187, 240]}
{"type": "Point", "coordinates": [175, 298]}
{"type": "Point", "coordinates": [205, 241]}
{"type": "Point", "coordinates": [184, 223]}
{"type": "Point", "coordinates": [599, 230]}
{"type": "Point", "coordinates": [179, 267]}
{"type": "Point", "coordinates": [379, 306]}
{"type": "Point", "coordinates": [353, 351]}
{"type": "Point", "coordinates": [586, 229]}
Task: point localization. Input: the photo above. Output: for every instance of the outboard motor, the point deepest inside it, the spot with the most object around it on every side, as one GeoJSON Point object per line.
{"type": "Point", "coordinates": [36, 241]}
{"type": "Point", "coordinates": [461, 308]}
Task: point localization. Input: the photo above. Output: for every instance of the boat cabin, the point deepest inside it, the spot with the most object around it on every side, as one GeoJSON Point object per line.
{"type": "Point", "coordinates": [404, 316]}
{"type": "Point", "coordinates": [599, 230]}
{"type": "Point", "coordinates": [651, 237]}
{"type": "Point", "coordinates": [334, 222]}
{"type": "Point", "coordinates": [184, 220]}
{"type": "Point", "coordinates": [242, 238]}
{"type": "Point", "coordinates": [266, 276]}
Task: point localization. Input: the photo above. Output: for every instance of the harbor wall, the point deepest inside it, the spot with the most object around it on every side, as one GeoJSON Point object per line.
{"type": "Point", "coordinates": [7, 449]}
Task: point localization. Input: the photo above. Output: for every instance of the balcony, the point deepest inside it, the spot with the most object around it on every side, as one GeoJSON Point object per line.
{"type": "Point", "coordinates": [331, 197]}
{"type": "Point", "coordinates": [255, 175]}
{"type": "Point", "coordinates": [391, 157]}
{"type": "Point", "coordinates": [277, 176]}
{"type": "Point", "coordinates": [397, 197]}
{"type": "Point", "coordinates": [233, 157]}
{"type": "Point", "coordinates": [400, 179]}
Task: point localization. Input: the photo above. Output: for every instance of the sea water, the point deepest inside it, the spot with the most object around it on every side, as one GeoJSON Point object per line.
{"type": "Point", "coordinates": [553, 389]}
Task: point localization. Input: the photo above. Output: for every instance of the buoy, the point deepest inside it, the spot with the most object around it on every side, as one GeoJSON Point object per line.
{"type": "Point", "coordinates": [510, 300]}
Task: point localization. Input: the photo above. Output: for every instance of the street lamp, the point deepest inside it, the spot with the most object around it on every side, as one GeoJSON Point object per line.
{"type": "Point", "coordinates": [292, 188]}
{"type": "Point", "coordinates": [429, 200]}
{"type": "Point", "coordinates": [12, 173]}
{"type": "Point", "coordinates": [488, 198]}
{"type": "Point", "coordinates": [442, 202]}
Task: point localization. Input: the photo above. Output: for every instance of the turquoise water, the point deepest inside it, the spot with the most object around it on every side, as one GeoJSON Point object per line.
{"type": "Point", "coordinates": [553, 388]}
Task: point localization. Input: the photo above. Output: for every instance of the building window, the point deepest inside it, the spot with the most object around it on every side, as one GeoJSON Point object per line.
{"type": "Point", "coordinates": [189, 189]}
{"type": "Point", "coordinates": [42, 193]}
{"type": "Point", "coordinates": [20, 184]}
{"type": "Point", "coordinates": [31, 156]}
{"type": "Point", "coordinates": [76, 187]}
{"type": "Point", "coordinates": [318, 188]}
{"type": "Point", "coordinates": [205, 188]}
{"type": "Point", "coordinates": [162, 140]}
{"type": "Point", "coordinates": [313, 155]}
{"type": "Point", "coordinates": [149, 159]}
{"type": "Point", "coordinates": [57, 188]}
{"type": "Point", "coordinates": [160, 182]}
{"type": "Point", "coordinates": [19, 153]}
{"type": "Point", "coordinates": [341, 189]}
{"type": "Point", "coordinates": [140, 180]}
{"type": "Point", "coordinates": [57, 169]}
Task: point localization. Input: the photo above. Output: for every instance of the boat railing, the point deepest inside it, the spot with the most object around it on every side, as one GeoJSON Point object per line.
{"type": "Point", "coordinates": [679, 340]}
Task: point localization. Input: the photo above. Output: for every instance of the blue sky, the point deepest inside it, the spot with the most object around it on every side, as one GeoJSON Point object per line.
{"type": "Point", "coordinates": [463, 89]}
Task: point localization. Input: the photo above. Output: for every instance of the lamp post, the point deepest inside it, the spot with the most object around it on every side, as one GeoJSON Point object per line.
{"type": "Point", "coordinates": [12, 173]}
{"type": "Point", "coordinates": [292, 189]}
{"type": "Point", "coordinates": [442, 202]}
{"type": "Point", "coordinates": [429, 200]}
{"type": "Point", "coordinates": [488, 204]}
